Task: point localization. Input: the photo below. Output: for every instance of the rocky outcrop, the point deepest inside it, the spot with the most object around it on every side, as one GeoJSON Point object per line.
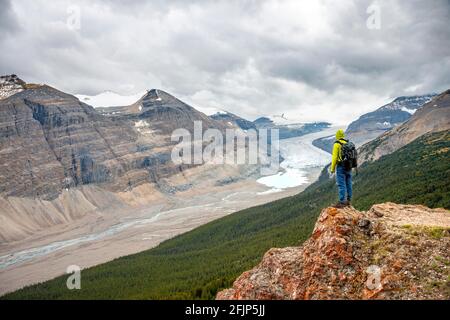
{"type": "Point", "coordinates": [389, 252]}
{"type": "Point", "coordinates": [432, 117]}
{"type": "Point", "coordinates": [10, 85]}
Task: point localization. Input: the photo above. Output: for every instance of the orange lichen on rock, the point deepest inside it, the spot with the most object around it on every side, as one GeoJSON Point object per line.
{"type": "Point", "coordinates": [356, 255]}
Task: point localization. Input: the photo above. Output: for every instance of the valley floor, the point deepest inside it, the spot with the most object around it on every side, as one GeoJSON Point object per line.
{"type": "Point", "coordinates": [101, 237]}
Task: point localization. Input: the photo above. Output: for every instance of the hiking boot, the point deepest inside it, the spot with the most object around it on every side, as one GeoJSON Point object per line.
{"type": "Point", "coordinates": [339, 205]}
{"type": "Point", "coordinates": [348, 203]}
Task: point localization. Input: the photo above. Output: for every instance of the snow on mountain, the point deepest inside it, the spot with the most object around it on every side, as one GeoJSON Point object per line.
{"type": "Point", "coordinates": [109, 99]}
{"type": "Point", "coordinates": [410, 111]}
{"type": "Point", "coordinates": [408, 104]}
{"type": "Point", "coordinates": [232, 120]}
{"type": "Point", "coordinates": [283, 119]}
{"type": "Point", "coordinates": [10, 85]}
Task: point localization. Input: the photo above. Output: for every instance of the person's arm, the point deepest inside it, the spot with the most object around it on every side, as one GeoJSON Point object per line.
{"type": "Point", "coordinates": [334, 157]}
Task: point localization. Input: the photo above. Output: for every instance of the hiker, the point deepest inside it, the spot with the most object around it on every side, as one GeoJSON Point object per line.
{"type": "Point", "coordinates": [344, 158]}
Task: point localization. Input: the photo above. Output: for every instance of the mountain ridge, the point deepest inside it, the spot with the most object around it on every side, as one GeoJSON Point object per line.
{"type": "Point", "coordinates": [432, 117]}
{"type": "Point", "coordinates": [56, 150]}
{"type": "Point", "coordinates": [371, 125]}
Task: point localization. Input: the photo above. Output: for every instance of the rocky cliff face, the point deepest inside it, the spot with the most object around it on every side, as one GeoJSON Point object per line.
{"type": "Point", "coordinates": [52, 146]}
{"type": "Point", "coordinates": [389, 252]}
{"type": "Point", "coordinates": [50, 141]}
{"type": "Point", "coordinates": [432, 117]}
{"type": "Point", "coordinates": [158, 114]}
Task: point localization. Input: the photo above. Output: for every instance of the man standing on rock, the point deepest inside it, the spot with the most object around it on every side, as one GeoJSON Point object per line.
{"type": "Point", "coordinates": [343, 159]}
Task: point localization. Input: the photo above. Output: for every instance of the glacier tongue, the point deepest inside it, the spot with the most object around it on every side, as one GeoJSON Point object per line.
{"type": "Point", "coordinates": [299, 157]}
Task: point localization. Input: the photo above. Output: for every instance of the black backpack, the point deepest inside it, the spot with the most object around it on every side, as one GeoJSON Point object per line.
{"type": "Point", "coordinates": [349, 155]}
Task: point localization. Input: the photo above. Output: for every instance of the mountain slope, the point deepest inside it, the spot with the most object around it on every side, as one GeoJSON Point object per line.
{"type": "Point", "coordinates": [373, 124]}
{"type": "Point", "coordinates": [231, 119]}
{"type": "Point", "coordinates": [197, 264]}
{"type": "Point", "coordinates": [289, 130]}
{"type": "Point", "coordinates": [389, 252]}
{"type": "Point", "coordinates": [61, 159]}
{"type": "Point", "coordinates": [432, 117]}
{"type": "Point", "coordinates": [160, 113]}
{"type": "Point", "coordinates": [51, 141]}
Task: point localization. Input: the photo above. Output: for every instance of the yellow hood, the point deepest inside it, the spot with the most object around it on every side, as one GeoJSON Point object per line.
{"type": "Point", "coordinates": [340, 134]}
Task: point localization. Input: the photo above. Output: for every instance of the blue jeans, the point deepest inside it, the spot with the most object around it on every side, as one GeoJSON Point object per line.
{"type": "Point", "coordinates": [344, 183]}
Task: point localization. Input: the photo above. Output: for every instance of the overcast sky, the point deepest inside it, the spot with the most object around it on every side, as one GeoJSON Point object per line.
{"type": "Point", "coordinates": [312, 60]}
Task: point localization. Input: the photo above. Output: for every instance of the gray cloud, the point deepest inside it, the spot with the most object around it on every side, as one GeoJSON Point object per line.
{"type": "Point", "coordinates": [311, 60]}
{"type": "Point", "coordinates": [8, 21]}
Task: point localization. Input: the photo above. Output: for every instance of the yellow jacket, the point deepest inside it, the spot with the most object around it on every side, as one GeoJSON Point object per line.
{"type": "Point", "coordinates": [336, 155]}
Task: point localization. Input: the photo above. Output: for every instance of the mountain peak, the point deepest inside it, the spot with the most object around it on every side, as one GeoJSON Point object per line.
{"type": "Point", "coordinates": [408, 103]}
{"type": "Point", "coordinates": [10, 85]}
{"type": "Point", "coordinates": [154, 93]}
{"type": "Point", "coordinates": [157, 97]}
{"type": "Point", "coordinates": [354, 254]}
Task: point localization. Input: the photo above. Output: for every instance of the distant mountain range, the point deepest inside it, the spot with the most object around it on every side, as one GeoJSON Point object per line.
{"type": "Point", "coordinates": [287, 129]}
{"type": "Point", "coordinates": [227, 118]}
{"type": "Point", "coordinates": [51, 141]}
{"type": "Point", "coordinates": [61, 158]}
{"type": "Point", "coordinates": [434, 116]}
{"type": "Point", "coordinates": [373, 124]}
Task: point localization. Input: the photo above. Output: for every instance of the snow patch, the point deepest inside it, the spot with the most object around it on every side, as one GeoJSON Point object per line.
{"type": "Point", "coordinates": [158, 98]}
{"type": "Point", "coordinates": [410, 111]}
{"type": "Point", "coordinates": [143, 127]}
{"type": "Point", "coordinates": [141, 124]}
{"type": "Point", "coordinates": [109, 99]}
